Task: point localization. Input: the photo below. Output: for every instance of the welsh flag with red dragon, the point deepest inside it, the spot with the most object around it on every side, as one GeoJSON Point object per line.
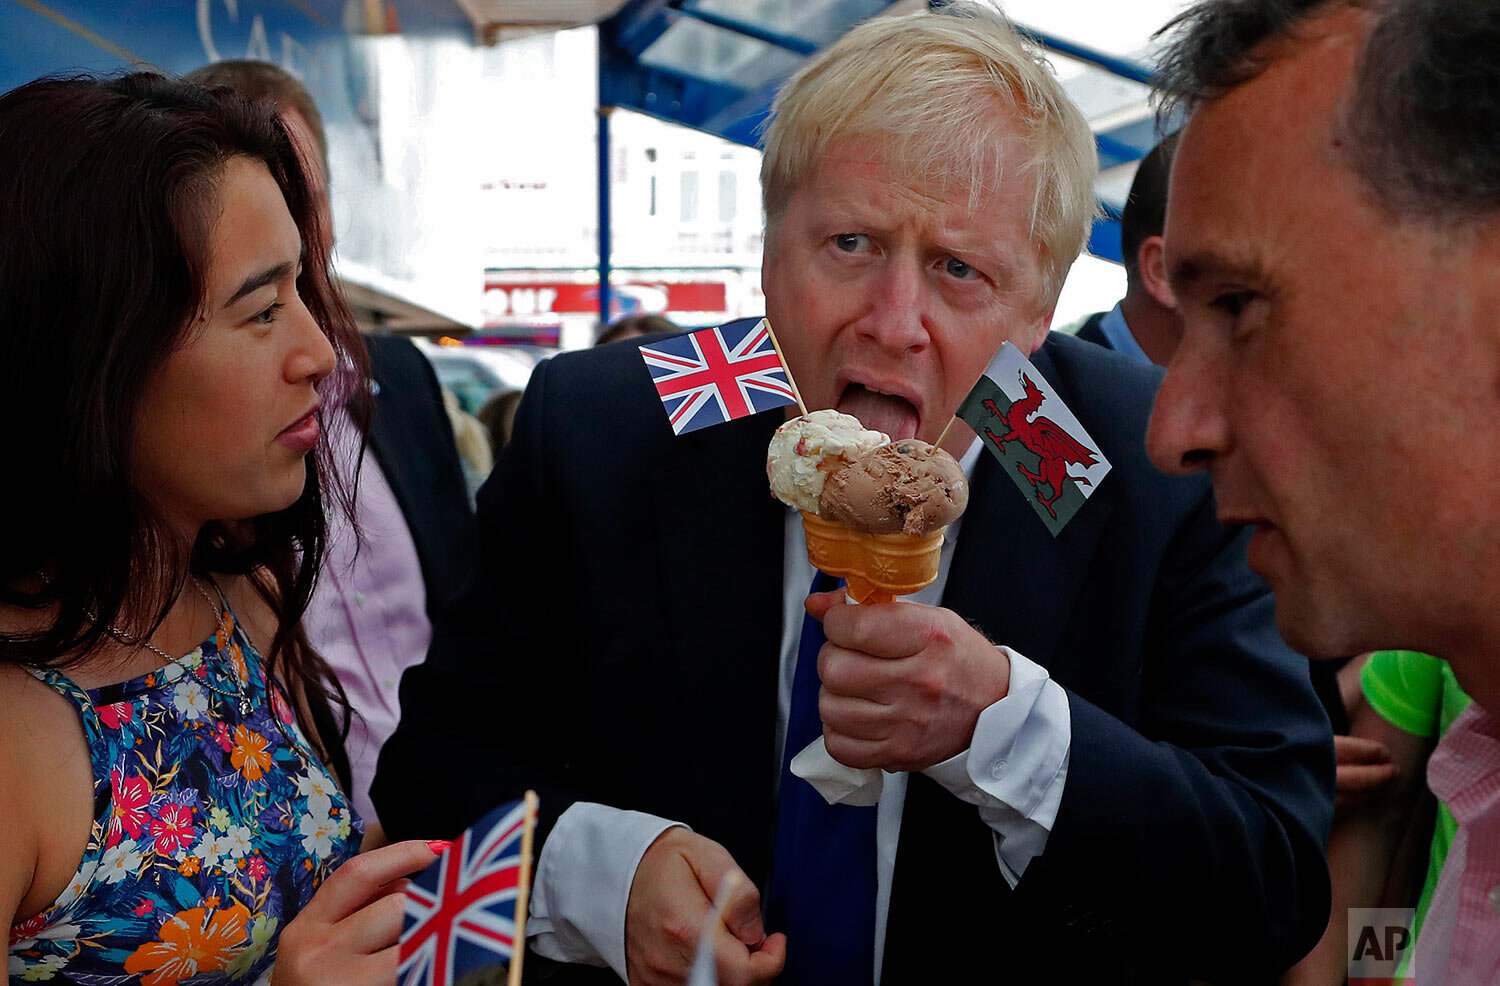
{"type": "Point", "coordinates": [1044, 448]}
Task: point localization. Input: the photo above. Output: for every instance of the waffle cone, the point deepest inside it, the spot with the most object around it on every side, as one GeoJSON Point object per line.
{"type": "Point", "coordinates": [877, 567]}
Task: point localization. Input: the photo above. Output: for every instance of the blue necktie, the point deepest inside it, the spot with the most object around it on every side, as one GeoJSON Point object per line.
{"type": "Point", "coordinates": [822, 890]}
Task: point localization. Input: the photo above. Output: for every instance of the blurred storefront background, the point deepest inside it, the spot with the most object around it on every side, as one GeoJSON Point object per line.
{"type": "Point", "coordinates": [464, 160]}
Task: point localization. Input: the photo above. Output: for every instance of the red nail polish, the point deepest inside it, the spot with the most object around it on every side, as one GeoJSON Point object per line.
{"type": "Point", "coordinates": [439, 846]}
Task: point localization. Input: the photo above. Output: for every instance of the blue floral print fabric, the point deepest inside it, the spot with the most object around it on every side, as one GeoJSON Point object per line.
{"type": "Point", "coordinates": [214, 823]}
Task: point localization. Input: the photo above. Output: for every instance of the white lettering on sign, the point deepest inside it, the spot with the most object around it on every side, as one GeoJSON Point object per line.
{"type": "Point", "coordinates": [257, 48]}
{"type": "Point", "coordinates": [501, 300]}
{"type": "Point", "coordinates": [532, 301]}
{"type": "Point", "coordinates": [294, 53]}
{"type": "Point", "coordinates": [206, 28]}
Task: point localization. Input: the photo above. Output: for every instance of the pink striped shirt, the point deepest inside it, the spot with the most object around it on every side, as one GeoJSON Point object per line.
{"type": "Point", "coordinates": [1460, 940]}
{"type": "Point", "coordinates": [368, 614]}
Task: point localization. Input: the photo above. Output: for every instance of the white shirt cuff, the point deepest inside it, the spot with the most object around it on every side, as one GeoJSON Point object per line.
{"type": "Point", "coordinates": [1016, 765]}
{"type": "Point", "coordinates": [583, 881]}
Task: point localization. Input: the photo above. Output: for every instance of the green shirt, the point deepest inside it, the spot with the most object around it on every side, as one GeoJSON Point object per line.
{"type": "Point", "coordinates": [1418, 694]}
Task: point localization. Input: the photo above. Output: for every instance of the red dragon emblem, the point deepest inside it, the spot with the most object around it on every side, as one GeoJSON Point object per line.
{"type": "Point", "coordinates": [1055, 447]}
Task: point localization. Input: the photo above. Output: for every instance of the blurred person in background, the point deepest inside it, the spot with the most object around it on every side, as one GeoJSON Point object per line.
{"type": "Point", "coordinates": [498, 415]}
{"type": "Point", "coordinates": [633, 326]}
{"type": "Point", "coordinates": [1408, 702]}
{"type": "Point", "coordinates": [172, 776]}
{"type": "Point", "coordinates": [472, 442]}
{"type": "Point", "coordinates": [1143, 325]}
{"type": "Point", "coordinates": [395, 561]}
{"type": "Point", "coordinates": [1104, 765]}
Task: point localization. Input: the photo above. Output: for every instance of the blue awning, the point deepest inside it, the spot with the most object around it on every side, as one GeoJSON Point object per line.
{"type": "Point", "coordinates": [715, 65]}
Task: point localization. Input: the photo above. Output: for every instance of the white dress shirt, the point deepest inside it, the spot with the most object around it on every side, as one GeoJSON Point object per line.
{"type": "Point", "coordinates": [1013, 773]}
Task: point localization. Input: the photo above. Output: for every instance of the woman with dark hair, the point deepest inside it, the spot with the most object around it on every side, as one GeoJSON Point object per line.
{"type": "Point", "coordinates": [172, 778]}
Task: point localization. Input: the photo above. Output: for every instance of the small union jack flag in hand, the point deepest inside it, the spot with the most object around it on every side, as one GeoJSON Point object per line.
{"type": "Point", "coordinates": [467, 911]}
{"type": "Point", "coordinates": [715, 375]}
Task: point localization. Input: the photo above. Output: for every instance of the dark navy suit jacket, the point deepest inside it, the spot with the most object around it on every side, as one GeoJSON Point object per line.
{"type": "Point", "coordinates": [619, 643]}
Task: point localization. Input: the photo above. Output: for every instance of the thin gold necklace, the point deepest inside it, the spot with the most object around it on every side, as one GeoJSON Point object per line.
{"type": "Point", "coordinates": [238, 695]}
{"type": "Point", "coordinates": [130, 641]}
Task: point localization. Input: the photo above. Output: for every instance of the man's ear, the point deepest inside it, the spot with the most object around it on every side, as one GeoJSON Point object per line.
{"type": "Point", "coordinates": [1043, 326]}
{"type": "Point", "coordinates": [1151, 262]}
{"type": "Point", "coordinates": [768, 252]}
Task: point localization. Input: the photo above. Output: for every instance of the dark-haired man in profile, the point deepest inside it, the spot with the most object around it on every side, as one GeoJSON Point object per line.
{"type": "Point", "coordinates": [1143, 325]}
{"type": "Point", "coordinates": [1338, 370]}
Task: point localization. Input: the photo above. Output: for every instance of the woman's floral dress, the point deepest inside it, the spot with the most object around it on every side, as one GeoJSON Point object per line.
{"type": "Point", "coordinates": [214, 822]}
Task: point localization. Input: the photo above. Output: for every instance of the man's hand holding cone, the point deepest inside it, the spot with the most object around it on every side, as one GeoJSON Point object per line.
{"type": "Point", "coordinates": [903, 685]}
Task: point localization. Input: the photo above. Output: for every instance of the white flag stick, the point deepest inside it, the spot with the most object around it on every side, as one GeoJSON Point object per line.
{"type": "Point", "coordinates": [705, 971]}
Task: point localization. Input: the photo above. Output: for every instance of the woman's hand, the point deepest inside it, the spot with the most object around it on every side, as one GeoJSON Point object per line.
{"type": "Point", "coordinates": [348, 932]}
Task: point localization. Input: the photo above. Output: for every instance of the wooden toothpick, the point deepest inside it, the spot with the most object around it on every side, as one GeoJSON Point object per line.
{"type": "Point", "coordinates": [786, 366]}
{"type": "Point", "coordinates": [949, 427]}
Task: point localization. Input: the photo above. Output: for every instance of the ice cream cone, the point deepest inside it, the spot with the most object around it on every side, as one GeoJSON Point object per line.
{"type": "Point", "coordinates": [877, 567]}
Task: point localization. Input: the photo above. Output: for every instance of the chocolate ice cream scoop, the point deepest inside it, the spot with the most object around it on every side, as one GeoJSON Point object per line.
{"type": "Point", "coordinates": [905, 485]}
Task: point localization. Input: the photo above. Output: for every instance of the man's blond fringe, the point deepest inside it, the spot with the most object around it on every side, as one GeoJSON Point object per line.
{"type": "Point", "coordinates": [934, 90]}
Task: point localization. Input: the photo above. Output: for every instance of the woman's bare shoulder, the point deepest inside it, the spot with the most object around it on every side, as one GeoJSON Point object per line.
{"type": "Point", "coordinates": [46, 790]}
{"type": "Point", "coordinates": [40, 730]}
{"type": "Point", "coordinates": [22, 698]}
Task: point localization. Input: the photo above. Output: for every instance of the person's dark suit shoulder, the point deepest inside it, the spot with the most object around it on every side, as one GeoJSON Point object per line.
{"type": "Point", "coordinates": [1091, 331]}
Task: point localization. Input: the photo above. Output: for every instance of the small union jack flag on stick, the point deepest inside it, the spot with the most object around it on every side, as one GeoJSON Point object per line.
{"type": "Point", "coordinates": [716, 375]}
{"type": "Point", "coordinates": [467, 911]}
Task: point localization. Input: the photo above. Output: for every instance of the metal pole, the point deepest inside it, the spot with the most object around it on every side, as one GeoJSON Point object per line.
{"type": "Point", "coordinates": [1115, 65]}
{"type": "Point", "coordinates": [801, 46]}
{"type": "Point", "coordinates": [604, 214]}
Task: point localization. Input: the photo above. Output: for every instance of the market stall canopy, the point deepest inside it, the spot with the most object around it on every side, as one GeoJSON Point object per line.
{"type": "Point", "coordinates": [715, 65]}
{"type": "Point", "coordinates": [496, 20]}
